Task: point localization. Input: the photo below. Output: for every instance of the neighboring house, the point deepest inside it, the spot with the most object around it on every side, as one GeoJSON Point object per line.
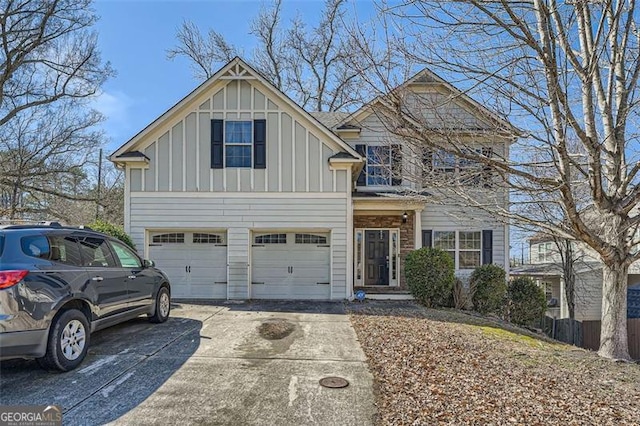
{"type": "Point", "coordinates": [238, 193]}
{"type": "Point", "coordinates": [546, 268]}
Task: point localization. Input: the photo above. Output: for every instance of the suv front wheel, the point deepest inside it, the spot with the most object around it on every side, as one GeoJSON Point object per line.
{"type": "Point", "coordinates": [68, 342]}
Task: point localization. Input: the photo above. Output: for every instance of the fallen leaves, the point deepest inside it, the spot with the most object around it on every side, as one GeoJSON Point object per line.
{"type": "Point", "coordinates": [446, 367]}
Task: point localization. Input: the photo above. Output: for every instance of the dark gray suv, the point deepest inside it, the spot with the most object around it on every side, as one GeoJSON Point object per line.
{"type": "Point", "coordinates": [60, 284]}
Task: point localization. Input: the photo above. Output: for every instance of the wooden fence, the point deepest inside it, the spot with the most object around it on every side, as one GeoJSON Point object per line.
{"type": "Point", "coordinates": [591, 336]}
{"type": "Point", "coordinates": [586, 334]}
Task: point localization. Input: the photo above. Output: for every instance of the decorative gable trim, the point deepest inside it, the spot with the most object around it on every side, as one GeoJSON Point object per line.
{"type": "Point", "coordinates": [236, 69]}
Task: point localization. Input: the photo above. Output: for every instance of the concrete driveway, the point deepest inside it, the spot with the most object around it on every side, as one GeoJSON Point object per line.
{"type": "Point", "coordinates": [210, 364]}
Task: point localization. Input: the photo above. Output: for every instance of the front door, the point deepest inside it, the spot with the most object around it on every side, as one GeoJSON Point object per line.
{"type": "Point", "coordinates": [376, 254]}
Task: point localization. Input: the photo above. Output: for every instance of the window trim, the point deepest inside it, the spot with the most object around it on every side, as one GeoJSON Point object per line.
{"type": "Point", "coordinates": [457, 250]}
{"type": "Point", "coordinates": [308, 238]}
{"type": "Point", "coordinates": [218, 238]}
{"type": "Point", "coordinates": [168, 235]}
{"type": "Point", "coordinates": [273, 238]}
{"type": "Point", "coordinates": [378, 165]}
{"type": "Point", "coordinates": [242, 144]}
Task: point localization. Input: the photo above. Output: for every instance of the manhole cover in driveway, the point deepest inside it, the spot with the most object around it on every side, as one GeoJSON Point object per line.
{"type": "Point", "coordinates": [334, 382]}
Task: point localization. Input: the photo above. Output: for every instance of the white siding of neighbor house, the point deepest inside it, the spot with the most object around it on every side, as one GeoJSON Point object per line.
{"type": "Point", "coordinates": [589, 295]}
{"type": "Point", "coordinates": [453, 218]}
{"type": "Point", "coordinates": [240, 215]}
{"type": "Point", "coordinates": [180, 152]}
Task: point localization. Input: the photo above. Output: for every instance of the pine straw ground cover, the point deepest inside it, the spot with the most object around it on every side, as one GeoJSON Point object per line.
{"type": "Point", "coordinates": [448, 367]}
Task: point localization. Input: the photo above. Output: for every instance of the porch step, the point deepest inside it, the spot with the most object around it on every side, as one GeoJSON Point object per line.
{"type": "Point", "coordinates": [379, 289]}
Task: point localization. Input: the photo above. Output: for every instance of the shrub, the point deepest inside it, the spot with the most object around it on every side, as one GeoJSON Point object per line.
{"type": "Point", "coordinates": [461, 294]}
{"type": "Point", "coordinates": [527, 302]}
{"type": "Point", "coordinates": [488, 286]}
{"type": "Point", "coordinates": [112, 230]}
{"type": "Point", "coordinates": [430, 278]}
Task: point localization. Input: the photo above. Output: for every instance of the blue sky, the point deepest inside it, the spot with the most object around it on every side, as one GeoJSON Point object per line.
{"type": "Point", "coordinates": [134, 36]}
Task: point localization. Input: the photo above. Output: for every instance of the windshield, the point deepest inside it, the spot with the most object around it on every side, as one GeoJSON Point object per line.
{"type": "Point", "coordinates": [1, 243]}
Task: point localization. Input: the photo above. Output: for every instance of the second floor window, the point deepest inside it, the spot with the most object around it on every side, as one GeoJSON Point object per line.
{"type": "Point", "coordinates": [383, 166]}
{"type": "Point", "coordinates": [238, 143]}
{"type": "Point", "coordinates": [545, 252]}
{"type": "Point", "coordinates": [378, 165]}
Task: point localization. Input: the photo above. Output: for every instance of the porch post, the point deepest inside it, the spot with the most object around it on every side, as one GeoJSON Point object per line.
{"type": "Point", "coordinates": [417, 229]}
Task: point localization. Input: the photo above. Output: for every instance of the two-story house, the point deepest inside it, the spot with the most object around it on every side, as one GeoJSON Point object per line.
{"type": "Point", "coordinates": [547, 265]}
{"type": "Point", "coordinates": [236, 192]}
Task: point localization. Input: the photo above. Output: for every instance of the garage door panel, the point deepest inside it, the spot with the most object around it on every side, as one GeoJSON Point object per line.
{"type": "Point", "coordinates": [196, 266]}
{"type": "Point", "coordinates": [292, 270]}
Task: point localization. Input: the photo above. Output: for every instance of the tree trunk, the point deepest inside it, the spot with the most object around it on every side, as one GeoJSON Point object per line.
{"type": "Point", "coordinates": [613, 334]}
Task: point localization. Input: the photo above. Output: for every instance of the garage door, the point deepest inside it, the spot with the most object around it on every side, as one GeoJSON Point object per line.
{"type": "Point", "coordinates": [195, 262]}
{"type": "Point", "coordinates": [290, 265]}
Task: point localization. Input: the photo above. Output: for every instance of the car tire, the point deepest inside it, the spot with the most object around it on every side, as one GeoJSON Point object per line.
{"type": "Point", "coordinates": [163, 306]}
{"type": "Point", "coordinates": [68, 341]}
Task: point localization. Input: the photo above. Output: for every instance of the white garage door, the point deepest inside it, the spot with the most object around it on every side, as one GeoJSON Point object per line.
{"type": "Point", "coordinates": [293, 265]}
{"type": "Point", "coordinates": [195, 262]}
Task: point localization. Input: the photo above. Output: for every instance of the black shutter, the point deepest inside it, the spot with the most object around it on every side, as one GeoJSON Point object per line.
{"type": "Point", "coordinates": [396, 165]}
{"type": "Point", "coordinates": [217, 144]}
{"type": "Point", "coordinates": [487, 247]}
{"type": "Point", "coordinates": [487, 171]}
{"type": "Point", "coordinates": [259, 144]}
{"type": "Point", "coordinates": [362, 177]}
{"type": "Point", "coordinates": [427, 165]}
{"type": "Point", "coordinates": [427, 238]}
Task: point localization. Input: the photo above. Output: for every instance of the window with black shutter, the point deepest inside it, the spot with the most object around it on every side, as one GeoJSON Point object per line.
{"type": "Point", "coordinates": [238, 144]}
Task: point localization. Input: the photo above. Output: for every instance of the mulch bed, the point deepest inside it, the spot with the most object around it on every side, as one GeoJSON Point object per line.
{"type": "Point", "coordinates": [446, 367]}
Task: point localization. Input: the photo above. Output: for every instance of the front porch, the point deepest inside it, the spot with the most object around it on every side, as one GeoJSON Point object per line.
{"type": "Point", "coordinates": [386, 229]}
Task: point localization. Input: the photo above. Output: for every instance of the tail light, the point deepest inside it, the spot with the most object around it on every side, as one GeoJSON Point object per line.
{"type": "Point", "coordinates": [11, 278]}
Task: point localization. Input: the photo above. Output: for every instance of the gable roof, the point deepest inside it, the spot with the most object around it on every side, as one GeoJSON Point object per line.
{"type": "Point", "coordinates": [427, 76]}
{"type": "Point", "coordinates": [118, 153]}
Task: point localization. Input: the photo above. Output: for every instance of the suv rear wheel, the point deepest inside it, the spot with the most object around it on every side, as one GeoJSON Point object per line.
{"type": "Point", "coordinates": [68, 341]}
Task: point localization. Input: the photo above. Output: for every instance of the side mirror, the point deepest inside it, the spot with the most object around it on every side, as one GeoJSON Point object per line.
{"type": "Point", "coordinates": [149, 263]}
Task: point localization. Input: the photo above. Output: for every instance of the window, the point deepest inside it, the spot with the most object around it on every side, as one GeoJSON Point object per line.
{"type": "Point", "coordinates": [464, 247]}
{"type": "Point", "coordinates": [271, 239]}
{"type": "Point", "coordinates": [168, 238]}
{"type": "Point", "coordinates": [545, 252]}
{"type": "Point", "coordinates": [383, 166]}
{"type": "Point", "coordinates": [238, 143]}
{"type": "Point", "coordinates": [127, 258]}
{"type": "Point", "coordinates": [96, 253]}
{"type": "Point", "coordinates": [310, 239]}
{"type": "Point", "coordinates": [445, 240]}
{"type": "Point", "coordinates": [199, 238]}
{"type": "Point", "coordinates": [462, 170]}
{"type": "Point", "coordinates": [35, 246]}
{"type": "Point", "coordinates": [56, 248]}
{"type": "Point", "coordinates": [469, 250]}
{"type": "Point", "coordinates": [378, 165]}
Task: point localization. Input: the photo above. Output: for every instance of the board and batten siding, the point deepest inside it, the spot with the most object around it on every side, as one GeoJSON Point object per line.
{"type": "Point", "coordinates": [454, 218]}
{"type": "Point", "coordinates": [297, 156]}
{"type": "Point", "coordinates": [240, 215]}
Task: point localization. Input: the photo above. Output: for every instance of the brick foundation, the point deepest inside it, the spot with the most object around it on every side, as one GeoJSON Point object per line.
{"type": "Point", "coordinates": [407, 239]}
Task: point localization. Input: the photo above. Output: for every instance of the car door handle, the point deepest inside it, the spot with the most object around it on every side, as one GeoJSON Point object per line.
{"type": "Point", "coordinates": [132, 277]}
{"type": "Point", "coordinates": [97, 279]}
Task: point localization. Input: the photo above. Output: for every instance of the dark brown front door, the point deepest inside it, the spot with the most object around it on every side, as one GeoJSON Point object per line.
{"type": "Point", "coordinates": [376, 255]}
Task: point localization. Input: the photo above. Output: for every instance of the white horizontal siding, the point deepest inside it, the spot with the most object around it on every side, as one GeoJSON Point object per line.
{"type": "Point", "coordinates": [240, 215]}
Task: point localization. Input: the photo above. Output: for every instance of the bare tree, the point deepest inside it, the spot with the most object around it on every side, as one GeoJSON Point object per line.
{"type": "Point", "coordinates": [44, 153]}
{"type": "Point", "coordinates": [50, 70]}
{"type": "Point", "coordinates": [562, 71]}
{"type": "Point", "coordinates": [47, 53]}
{"type": "Point", "coordinates": [313, 65]}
